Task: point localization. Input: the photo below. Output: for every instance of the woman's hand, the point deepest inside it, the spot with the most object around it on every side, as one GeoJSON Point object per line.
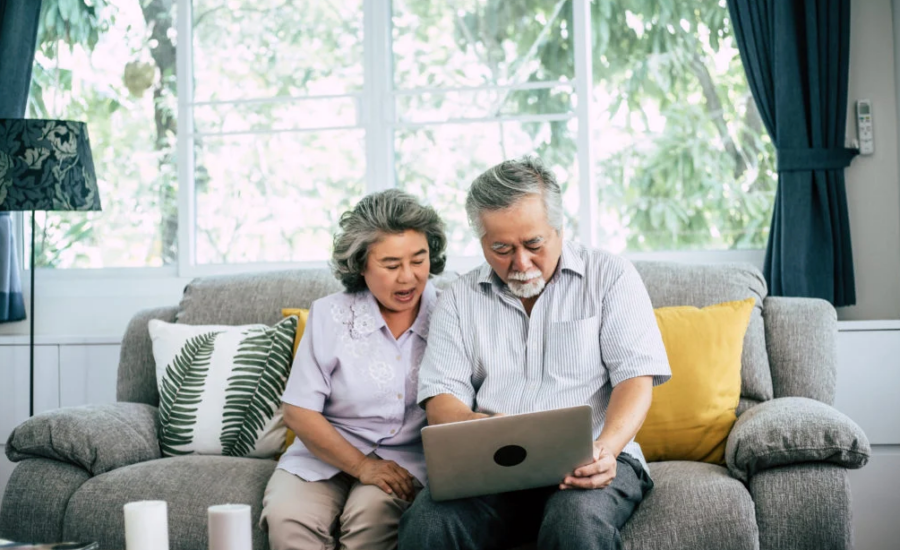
{"type": "Point", "coordinates": [392, 478]}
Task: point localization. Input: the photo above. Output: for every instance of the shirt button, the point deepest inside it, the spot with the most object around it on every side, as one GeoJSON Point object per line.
{"type": "Point", "coordinates": [399, 396]}
{"type": "Point", "coordinates": [399, 357]}
{"type": "Point", "coordinates": [393, 431]}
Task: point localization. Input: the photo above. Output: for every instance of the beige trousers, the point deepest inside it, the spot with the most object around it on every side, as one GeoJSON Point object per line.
{"type": "Point", "coordinates": [334, 513]}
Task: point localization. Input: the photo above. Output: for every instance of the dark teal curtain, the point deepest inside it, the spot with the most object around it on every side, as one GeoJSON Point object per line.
{"type": "Point", "coordinates": [796, 55]}
{"type": "Point", "coordinates": [18, 33]}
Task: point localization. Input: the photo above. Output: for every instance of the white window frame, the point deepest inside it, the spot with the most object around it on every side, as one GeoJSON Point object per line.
{"type": "Point", "coordinates": [377, 118]}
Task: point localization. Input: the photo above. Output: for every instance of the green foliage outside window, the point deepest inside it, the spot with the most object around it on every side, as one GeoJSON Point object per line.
{"type": "Point", "coordinates": [682, 158]}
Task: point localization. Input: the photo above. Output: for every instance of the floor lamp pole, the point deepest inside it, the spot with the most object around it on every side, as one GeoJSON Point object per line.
{"type": "Point", "coordinates": [31, 332]}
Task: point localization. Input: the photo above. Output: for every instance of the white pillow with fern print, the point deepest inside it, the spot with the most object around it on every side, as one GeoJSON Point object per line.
{"type": "Point", "coordinates": [220, 387]}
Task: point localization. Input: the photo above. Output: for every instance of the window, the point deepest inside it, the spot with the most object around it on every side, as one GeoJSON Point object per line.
{"type": "Point", "coordinates": [279, 143]}
{"type": "Point", "coordinates": [112, 64]}
{"type": "Point", "coordinates": [476, 82]}
{"type": "Point", "coordinates": [682, 158]}
{"type": "Point", "coordinates": [290, 111]}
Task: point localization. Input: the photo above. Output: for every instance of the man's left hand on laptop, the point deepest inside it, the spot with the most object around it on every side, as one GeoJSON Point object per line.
{"type": "Point", "coordinates": [596, 475]}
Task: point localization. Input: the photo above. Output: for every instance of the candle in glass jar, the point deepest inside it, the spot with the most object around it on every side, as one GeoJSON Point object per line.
{"type": "Point", "coordinates": [229, 527]}
{"type": "Point", "coordinates": [146, 525]}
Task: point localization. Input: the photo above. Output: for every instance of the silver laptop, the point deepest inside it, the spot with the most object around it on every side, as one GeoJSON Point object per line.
{"type": "Point", "coordinates": [506, 453]}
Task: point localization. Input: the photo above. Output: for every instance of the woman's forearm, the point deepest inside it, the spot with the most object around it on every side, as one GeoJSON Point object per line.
{"type": "Point", "coordinates": [322, 439]}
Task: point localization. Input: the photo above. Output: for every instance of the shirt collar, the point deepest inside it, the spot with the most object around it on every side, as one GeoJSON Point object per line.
{"type": "Point", "coordinates": [367, 316]}
{"type": "Point", "coordinates": [426, 306]}
{"type": "Point", "coordinates": [485, 274]}
{"type": "Point", "coordinates": [571, 260]}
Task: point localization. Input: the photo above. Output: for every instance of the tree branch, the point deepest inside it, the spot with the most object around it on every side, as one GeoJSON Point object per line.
{"type": "Point", "coordinates": [716, 114]}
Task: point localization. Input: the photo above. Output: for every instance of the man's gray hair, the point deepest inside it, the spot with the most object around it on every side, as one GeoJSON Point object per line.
{"type": "Point", "coordinates": [510, 181]}
{"type": "Point", "coordinates": [376, 215]}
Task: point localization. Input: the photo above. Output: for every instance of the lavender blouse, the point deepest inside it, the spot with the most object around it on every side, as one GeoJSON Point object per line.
{"type": "Point", "coordinates": [350, 368]}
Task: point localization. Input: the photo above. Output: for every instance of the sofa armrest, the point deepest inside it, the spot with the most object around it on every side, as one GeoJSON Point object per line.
{"type": "Point", "coordinates": [99, 438]}
{"type": "Point", "coordinates": [803, 507]}
{"type": "Point", "coordinates": [793, 430]}
{"type": "Point", "coordinates": [36, 498]}
{"type": "Point", "coordinates": [801, 339]}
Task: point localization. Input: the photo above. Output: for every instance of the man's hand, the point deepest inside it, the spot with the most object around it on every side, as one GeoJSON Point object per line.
{"type": "Point", "coordinates": [596, 475]}
{"type": "Point", "coordinates": [389, 476]}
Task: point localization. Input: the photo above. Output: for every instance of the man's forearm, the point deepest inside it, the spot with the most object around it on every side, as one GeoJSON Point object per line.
{"type": "Point", "coordinates": [445, 409]}
{"type": "Point", "coordinates": [628, 406]}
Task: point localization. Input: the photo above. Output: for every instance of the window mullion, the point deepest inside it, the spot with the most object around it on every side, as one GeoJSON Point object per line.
{"type": "Point", "coordinates": [584, 81]}
{"type": "Point", "coordinates": [185, 141]}
{"type": "Point", "coordinates": [378, 101]}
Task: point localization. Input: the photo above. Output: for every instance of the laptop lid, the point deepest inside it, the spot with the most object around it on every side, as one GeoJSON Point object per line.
{"type": "Point", "coordinates": [506, 453]}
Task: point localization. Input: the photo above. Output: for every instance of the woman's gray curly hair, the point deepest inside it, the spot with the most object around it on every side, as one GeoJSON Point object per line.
{"type": "Point", "coordinates": [376, 215]}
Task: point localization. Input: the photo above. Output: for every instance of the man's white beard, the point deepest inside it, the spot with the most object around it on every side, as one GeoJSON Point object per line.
{"type": "Point", "coordinates": [526, 285]}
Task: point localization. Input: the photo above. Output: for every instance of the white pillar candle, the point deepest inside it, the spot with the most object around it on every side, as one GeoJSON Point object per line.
{"type": "Point", "coordinates": [229, 527]}
{"type": "Point", "coordinates": [146, 525]}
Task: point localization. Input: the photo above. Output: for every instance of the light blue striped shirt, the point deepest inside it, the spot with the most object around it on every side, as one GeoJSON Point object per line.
{"type": "Point", "coordinates": [591, 328]}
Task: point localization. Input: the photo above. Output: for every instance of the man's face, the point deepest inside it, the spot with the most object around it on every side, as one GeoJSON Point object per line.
{"type": "Point", "coordinates": [521, 246]}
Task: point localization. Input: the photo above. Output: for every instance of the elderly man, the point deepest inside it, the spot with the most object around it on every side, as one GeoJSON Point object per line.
{"type": "Point", "coordinates": [545, 324]}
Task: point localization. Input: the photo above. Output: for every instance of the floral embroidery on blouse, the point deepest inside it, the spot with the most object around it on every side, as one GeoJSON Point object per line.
{"type": "Point", "coordinates": [360, 326]}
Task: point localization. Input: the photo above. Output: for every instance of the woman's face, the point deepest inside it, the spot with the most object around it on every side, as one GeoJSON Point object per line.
{"type": "Point", "coordinates": [397, 270]}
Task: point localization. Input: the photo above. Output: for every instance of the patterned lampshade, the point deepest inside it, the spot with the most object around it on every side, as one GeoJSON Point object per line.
{"type": "Point", "coordinates": [46, 165]}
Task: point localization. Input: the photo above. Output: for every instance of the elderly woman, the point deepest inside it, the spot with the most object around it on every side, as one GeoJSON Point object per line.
{"type": "Point", "coordinates": [357, 462]}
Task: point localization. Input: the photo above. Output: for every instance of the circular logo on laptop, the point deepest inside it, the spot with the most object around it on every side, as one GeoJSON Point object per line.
{"type": "Point", "coordinates": [510, 455]}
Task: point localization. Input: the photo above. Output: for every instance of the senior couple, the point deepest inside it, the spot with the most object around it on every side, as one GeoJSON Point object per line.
{"type": "Point", "coordinates": [544, 324]}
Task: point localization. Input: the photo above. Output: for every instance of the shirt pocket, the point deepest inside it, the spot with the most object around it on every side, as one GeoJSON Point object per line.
{"type": "Point", "coordinates": [572, 351]}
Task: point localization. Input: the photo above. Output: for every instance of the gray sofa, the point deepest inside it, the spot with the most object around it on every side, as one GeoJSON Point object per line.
{"type": "Point", "coordinates": [785, 485]}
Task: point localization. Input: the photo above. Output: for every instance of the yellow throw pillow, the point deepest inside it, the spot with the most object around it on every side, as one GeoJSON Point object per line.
{"type": "Point", "coordinates": [693, 413]}
{"type": "Point", "coordinates": [302, 316]}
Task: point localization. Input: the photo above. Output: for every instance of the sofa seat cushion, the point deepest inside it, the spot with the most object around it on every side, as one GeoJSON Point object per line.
{"type": "Point", "coordinates": [693, 505]}
{"type": "Point", "coordinates": [189, 484]}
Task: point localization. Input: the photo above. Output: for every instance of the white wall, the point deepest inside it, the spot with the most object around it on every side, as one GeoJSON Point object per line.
{"type": "Point", "coordinates": [93, 306]}
{"type": "Point", "coordinates": [873, 182]}
{"type": "Point", "coordinates": [868, 391]}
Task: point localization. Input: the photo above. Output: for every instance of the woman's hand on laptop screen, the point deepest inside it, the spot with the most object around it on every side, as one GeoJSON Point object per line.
{"type": "Point", "coordinates": [596, 475]}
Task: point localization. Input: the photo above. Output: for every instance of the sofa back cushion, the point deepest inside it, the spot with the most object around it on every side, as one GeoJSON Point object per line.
{"type": "Point", "coordinates": [701, 285]}
{"type": "Point", "coordinates": [259, 298]}
{"type": "Point", "coordinates": [253, 297]}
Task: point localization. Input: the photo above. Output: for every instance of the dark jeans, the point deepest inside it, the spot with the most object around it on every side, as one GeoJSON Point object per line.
{"type": "Point", "coordinates": [571, 519]}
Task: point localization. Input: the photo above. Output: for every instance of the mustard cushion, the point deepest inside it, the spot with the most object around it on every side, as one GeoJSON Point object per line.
{"type": "Point", "coordinates": [692, 414]}
{"type": "Point", "coordinates": [302, 316]}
